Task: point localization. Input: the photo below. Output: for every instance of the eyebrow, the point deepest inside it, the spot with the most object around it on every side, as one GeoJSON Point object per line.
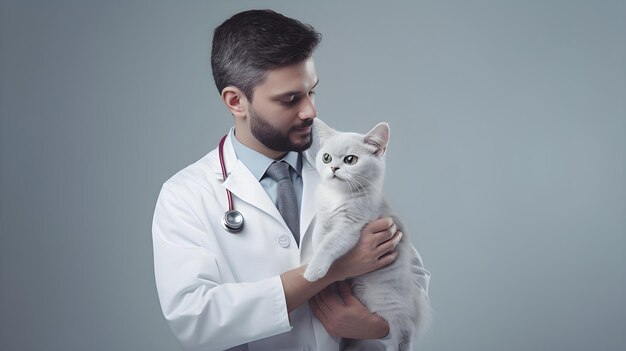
{"type": "Point", "coordinates": [293, 92]}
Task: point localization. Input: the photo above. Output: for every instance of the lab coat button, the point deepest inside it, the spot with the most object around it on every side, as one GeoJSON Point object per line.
{"type": "Point", "coordinates": [284, 240]}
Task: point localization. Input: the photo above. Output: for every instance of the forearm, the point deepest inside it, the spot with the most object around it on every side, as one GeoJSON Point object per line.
{"type": "Point", "coordinates": [299, 290]}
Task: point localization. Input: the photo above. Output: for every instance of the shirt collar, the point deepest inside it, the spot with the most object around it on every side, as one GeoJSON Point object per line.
{"type": "Point", "coordinates": [258, 163]}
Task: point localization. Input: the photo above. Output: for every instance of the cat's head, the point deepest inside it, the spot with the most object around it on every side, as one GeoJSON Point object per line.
{"type": "Point", "coordinates": [352, 162]}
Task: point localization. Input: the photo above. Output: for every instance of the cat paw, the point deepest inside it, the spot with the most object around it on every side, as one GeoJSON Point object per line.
{"type": "Point", "coordinates": [314, 274]}
{"type": "Point", "coordinates": [308, 275]}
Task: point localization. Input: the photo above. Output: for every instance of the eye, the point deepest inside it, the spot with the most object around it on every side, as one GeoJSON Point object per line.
{"type": "Point", "coordinates": [290, 101]}
{"type": "Point", "coordinates": [350, 159]}
{"type": "Point", "coordinates": [326, 158]}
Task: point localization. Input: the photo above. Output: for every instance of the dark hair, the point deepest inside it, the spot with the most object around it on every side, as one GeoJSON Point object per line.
{"type": "Point", "coordinates": [252, 42]}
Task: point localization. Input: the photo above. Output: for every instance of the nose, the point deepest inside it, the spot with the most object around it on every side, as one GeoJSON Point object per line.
{"type": "Point", "coordinates": [334, 169]}
{"type": "Point", "coordinates": [308, 110]}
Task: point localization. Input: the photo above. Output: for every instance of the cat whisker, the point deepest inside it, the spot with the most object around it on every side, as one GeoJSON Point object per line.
{"type": "Point", "coordinates": [356, 186]}
{"type": "Point", "coordinates": [353, 187]}
{"type": "Point", "coordinates": [363, 181]}
{"type": "Point", "coordinates": [359, 179]}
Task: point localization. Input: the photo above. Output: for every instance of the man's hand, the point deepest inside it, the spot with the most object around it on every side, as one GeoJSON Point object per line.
{"type": "Point", "coordinates": [374, 250]}
{"type": "Point", "coordinates": [346, 316]}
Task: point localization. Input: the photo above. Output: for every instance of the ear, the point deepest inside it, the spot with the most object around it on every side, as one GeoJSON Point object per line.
{"type": "Point", "coordinates": [235, 101]}
{"type": "Point", "coordinates": [379, 138]}
{"type": "Point", "coordinates": [323, 130]}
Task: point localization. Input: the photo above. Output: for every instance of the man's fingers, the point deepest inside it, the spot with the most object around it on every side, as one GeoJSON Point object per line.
{"type": "Point", "coordinates": [387, 258]}
{"type": "Point", "coordinates": [317, 311]}
{"type": "Point", "coordinates": [329, 300]}
{"type": "Point", "coordinates": [389, 233]}
{"type": "Point", "coordinates": [379, 225]}
{"type": "Point", "coordinates": [313, 306]}
{"type": "Point", "coordinates": [385, 234]}
{"type": "Point", "coordinates": [327, 295]}
{"type": "Point", "coordinates": [321, 301]}
{"type": "Point", "coordinates": [389, 245]}
{"type": "Point", "coordinates": [346, 292]}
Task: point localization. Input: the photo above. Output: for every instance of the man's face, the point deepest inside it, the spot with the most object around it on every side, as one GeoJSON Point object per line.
{"type": "Point", "coordinates": [282, 110]}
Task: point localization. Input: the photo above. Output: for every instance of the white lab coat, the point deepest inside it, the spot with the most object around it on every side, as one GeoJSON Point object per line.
{"type": "Point", "coordinates": [220, 290]}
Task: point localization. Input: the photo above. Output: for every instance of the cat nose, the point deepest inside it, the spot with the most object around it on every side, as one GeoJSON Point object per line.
{"type": "Point", "coordinates": [334, 169]}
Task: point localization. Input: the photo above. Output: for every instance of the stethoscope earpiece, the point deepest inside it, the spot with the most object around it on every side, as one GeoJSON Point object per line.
{"type": "Point", "coordinates": [232, 220]}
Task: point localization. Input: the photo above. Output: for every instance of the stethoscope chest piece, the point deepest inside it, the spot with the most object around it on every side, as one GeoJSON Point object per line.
{"type": "Point", "coordinates": [232, 221]}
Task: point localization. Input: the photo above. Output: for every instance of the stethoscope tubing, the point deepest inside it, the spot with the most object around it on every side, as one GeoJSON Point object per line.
{"type": "Point", "coordinates": [232, 220]}
{"type": "Point", "coordinates": [224, 175]}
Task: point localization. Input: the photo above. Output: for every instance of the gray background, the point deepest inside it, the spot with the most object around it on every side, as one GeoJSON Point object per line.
{"type": "Point", "coordinates": [507, 158]}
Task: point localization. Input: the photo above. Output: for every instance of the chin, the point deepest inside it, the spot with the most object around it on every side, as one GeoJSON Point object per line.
{"type": "Point", "coordinates": [329, 177]}
{"type": "Point", "coordinates": [302, 143]}
{"type": "Point", "coordinates": [337, 182]}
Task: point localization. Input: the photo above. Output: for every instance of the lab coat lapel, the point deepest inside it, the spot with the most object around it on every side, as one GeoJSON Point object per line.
{"type": "Point", "coordinates": [245, 186]}
{"type": "Point", "coordinates": [310, 179]}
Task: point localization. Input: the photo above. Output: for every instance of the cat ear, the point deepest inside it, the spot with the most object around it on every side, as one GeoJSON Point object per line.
{"type": "Point", "coordinates": [379, 138]}
{"type": "Point", "coordinates": [323, 130]}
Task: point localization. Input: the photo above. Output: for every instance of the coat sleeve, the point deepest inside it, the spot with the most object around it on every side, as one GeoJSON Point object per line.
{"type": "Point", "coordinates": [203, 311]}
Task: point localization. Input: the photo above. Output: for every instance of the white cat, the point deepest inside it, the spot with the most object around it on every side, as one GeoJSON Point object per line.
{"type": "Point", "coordinates": [349, 196]}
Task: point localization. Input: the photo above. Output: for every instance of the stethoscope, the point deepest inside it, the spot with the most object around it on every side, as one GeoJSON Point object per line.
{"type": "Point", "coordinates": [232, 220]}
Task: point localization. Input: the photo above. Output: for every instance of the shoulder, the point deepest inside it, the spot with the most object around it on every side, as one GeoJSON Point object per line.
{"type": "Point", "coordinates": [200, 176]}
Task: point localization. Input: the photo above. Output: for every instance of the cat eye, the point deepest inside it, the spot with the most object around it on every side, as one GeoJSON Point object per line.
{"type": "Point", "coordinates": [326, 158]}
{"type": "Point", "coordinates": [350, 159]}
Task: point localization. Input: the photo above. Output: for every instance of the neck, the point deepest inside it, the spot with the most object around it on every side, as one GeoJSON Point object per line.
{"type": "Point", "coordinates": [246, 138]}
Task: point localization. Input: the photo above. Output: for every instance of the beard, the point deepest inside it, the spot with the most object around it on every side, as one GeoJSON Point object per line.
{"type": "Point", "coordinates": [276, 139]}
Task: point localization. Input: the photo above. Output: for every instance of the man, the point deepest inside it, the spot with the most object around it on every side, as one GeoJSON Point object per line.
{"type": "Point", "coordinates": [245, 291]}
